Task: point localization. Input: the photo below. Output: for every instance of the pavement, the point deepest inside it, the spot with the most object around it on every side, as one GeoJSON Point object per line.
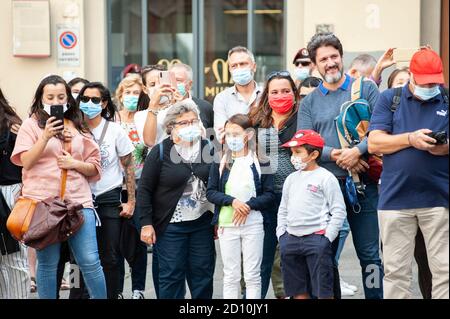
{"type": "Point", "coordinates": [349, 269]}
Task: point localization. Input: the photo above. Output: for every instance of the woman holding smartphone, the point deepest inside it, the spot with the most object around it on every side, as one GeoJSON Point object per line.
{"type": "Point", "coordinates": [39, 146]}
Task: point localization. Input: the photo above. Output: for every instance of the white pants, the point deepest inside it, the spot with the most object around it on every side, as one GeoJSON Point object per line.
{"type": "Point", "coordinates": [247, 241]}
{"type": "Point", "coordinates": [398, 231]}
{"type": "Point", "coordinates": [14, 277]}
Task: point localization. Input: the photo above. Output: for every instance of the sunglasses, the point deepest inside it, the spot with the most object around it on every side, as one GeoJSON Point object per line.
{"type": "Point", "coordinates": [86, 99]}
{"type": "Point", "coordinates": [281, 74]}
{"type": "Point", "coordinates": [303, 63]}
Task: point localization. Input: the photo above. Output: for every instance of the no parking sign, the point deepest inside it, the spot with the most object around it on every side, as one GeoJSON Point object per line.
{"type": "Point", "coordinates": [68, 46]}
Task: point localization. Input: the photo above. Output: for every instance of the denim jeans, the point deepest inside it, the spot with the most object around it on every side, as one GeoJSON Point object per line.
{"type": "Point", "coordinates": [343, 234]}
{"type": "Point", "coordinates": [84, 248]}
{"type": "Point", "coordinates": [366, 239]}
{"type": "Point", "coordinates": [186, 252]}
{"type": "Point", "coordinates": [270, 246]}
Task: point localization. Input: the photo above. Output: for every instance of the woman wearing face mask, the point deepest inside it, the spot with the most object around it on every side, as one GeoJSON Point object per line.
{"type": "Point", "coordinates": [76, 85]}
{"type": "Point", "coordinates": [127, 94]}
{"type": "Point", "coordinates": [116, 160]}
{"type": "Point", "coordinates": [275, 120]}
{"type": "Point", "coordinates": [38, 148]}
{"type": "Point", "coordinates": [175, 214]}
{"type": "Point", "coordinates": [162, 98]}
{"type": "Point", "coordinates": [242, 189]}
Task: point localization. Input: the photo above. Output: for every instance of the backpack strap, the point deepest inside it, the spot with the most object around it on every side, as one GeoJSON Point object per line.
{"type": "Point", "coordinates": [444, 93]}
{"type": "Point", "coordinates": [161, 151]}
{"type": "Point", "coordinates": [357, 87]}
{"type": "Point", "coordinates": [396, 99]}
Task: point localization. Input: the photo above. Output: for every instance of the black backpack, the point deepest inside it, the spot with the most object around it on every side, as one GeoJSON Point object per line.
{"type": "Point", "coordinates": [398, 95]}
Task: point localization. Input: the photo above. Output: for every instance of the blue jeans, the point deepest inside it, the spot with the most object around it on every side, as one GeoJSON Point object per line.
{"type": "Point", "coordinates": [84, 248]}
{"type": "Point", "coordinates": [270, 245]}
{"type": "Point", "coordinates": [343, 234]}
{"type": "Point", "coordinates": [366, 239]}
{"type": "Point", "coordinates": [186, 252]}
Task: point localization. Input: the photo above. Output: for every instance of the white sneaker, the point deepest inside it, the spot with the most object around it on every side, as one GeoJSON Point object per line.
{"type": "Point", "coordinates": [346, 292]}
{"type": "Point", "coordinates": [138, 294]}
{"type": "Point", "coordinates": [348, 286]}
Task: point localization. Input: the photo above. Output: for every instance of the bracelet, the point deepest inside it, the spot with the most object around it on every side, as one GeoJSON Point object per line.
{"type": "Point", "coordinates": [409, 139]}
{"type": "Point", "coordinates": [154, 112]}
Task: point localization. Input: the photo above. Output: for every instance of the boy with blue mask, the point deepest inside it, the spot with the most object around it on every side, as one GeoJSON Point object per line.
{"type": "Point", "coordinates": [311, 213]}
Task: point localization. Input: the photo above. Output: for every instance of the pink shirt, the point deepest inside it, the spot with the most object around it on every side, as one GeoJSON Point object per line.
{"type": "Point", "coordinates": [43, 180]}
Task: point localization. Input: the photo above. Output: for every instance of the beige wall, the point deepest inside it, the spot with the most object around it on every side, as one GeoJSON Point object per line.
{"type": "Point", "coordinates": [430, 31]}
{"type": "Point", "coordinates": [362, 25]}
{"type": "Point", "coordinates": [19, 77]}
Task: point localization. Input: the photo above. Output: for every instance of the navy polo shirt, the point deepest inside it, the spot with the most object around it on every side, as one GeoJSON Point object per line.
{"type": "Point", "coordinates": [412, 178]}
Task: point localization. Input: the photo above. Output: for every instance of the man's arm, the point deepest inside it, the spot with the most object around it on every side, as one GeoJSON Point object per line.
{"type": "Point", "coordinates": [220, 115]}
{"type": "Point", "coordinates": [128, 166]}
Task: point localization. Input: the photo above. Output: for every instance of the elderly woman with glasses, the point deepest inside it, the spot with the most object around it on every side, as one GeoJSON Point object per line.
{"type": "Point", "coordinates": [275, 120]}
{"type": "Point", "coordinates": [175, 214]}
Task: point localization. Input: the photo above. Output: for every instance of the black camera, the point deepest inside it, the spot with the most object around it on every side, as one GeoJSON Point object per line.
{"type": "Point", "coordinates": [440, 137]}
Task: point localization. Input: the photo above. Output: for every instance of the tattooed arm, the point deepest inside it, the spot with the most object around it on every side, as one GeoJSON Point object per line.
{"type": "Point", "coordinates": [128, 166]}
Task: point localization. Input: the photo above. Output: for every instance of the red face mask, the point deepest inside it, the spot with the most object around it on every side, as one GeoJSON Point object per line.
{"type": "Point", "coordinates": [282, 103]}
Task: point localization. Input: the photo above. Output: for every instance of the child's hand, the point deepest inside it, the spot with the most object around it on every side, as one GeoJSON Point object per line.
{"type": "Point", "coordinates": [239, 219]}
{"type": "Point", "coordinates": [240, 207]}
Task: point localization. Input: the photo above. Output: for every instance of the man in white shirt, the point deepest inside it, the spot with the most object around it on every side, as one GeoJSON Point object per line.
{"type": "Point", "coordinates": [239, 98]}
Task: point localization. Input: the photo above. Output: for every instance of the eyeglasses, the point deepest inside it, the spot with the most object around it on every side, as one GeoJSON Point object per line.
{"type": "Point", "coordinates": [86, 99]}
{"type": "Point", "coordinates": [303, 63]}
{"type": "Point", "coordinates": [282, 74]}
{"type": "Point", "coordinates": [187, 123]}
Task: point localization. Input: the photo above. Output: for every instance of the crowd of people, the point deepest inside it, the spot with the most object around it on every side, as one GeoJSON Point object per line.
{"type": "Point", "coordinates": [265, 170]}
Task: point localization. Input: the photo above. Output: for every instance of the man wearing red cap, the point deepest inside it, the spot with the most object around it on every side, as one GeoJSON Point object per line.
{"type": "Point", "coordinates": [412, 134]}
{"type": "Point", "coordinates": [311, 213]}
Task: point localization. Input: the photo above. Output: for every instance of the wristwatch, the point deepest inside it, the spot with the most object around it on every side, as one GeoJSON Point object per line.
{"type": "Point", "coordinates": [154, 112]}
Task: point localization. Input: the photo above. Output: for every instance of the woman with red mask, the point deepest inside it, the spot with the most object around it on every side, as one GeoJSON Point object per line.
{"type": "Point", "coordinates": [275, 121]}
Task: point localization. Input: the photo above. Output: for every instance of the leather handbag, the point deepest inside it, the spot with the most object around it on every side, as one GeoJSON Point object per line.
{"type": "Point", "coordinates": [20, 217]}
{"type": "Point", "coordinates": [40, 224]}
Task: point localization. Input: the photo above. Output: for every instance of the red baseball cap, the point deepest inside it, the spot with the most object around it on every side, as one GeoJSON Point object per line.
{"type": "Point", "coordinates": [426, 66]}
{"type": "Point", "coordinates": [308, 137]}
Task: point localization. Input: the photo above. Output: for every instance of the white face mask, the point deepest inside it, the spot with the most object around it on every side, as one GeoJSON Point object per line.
{"type": "Point", "coordinates": [47, 108]}
{"type": "Point", "coordinates": [298, 163]}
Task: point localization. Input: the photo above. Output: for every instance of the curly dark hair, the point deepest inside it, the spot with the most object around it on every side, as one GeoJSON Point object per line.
{"type": "Point", "coordinates": [323, 40]}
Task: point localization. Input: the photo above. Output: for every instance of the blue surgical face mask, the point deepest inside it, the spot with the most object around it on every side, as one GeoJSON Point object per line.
{"type": "Point", "coordinates": [242, 76]}
{"type": "Point", "coordinates": [130, 102]}
{"type": "Point", "coordinates": [190, 133]}
{"type": "Point", "coordinates": [235, 144]}
{"type": "Point", "coordinates": [301, 73]}
{"type": "Point", "coordinates": [90, 109]}
{"type": "Point", "coordinates": [181, 87]}
{"type": "Point", "coordinates": [426, 93]}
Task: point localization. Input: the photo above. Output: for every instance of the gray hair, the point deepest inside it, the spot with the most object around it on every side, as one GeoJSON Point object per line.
{"type": "Point", "coordinates": [241, 49]}
{"type": "Point", "coordinates": [178, 109]}
{"type": "Point", "coordinates": [185, 67]}
{"type": "Point", "coordinates": [363, 62]}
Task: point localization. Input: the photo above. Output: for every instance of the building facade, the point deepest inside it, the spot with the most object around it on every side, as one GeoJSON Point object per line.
{"type": "Point", "coordinates": [96, 39]}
